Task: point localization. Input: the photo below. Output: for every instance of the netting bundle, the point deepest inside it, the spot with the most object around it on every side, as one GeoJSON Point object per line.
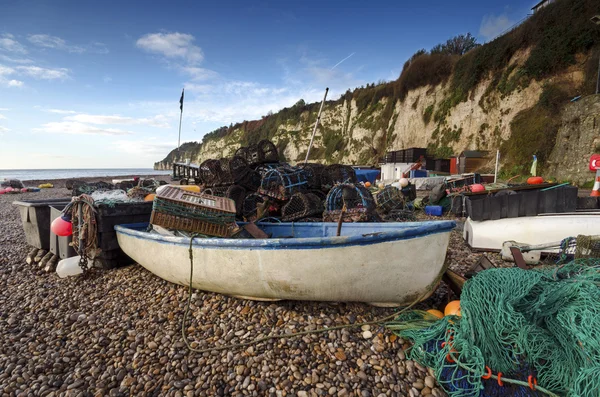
{"type": "Point", "coordinates": [389, 199]}
{"type": "Point", "coordinates": [357, 200]}
{"type": "Point", "coordinates": [337, 173]}
{"type": "Point", "coordinates": [301, 205]}
{"type": "Point", "coordinates": [237, 194]}
{"type": "Point", "coordinates": [313, 171]}
{"type": "Point", "coordinates": [282, 182]}
{"type": "Point", "coordinates": [537, 329]}
{"type": "Point", "coordinates": [80, 187]}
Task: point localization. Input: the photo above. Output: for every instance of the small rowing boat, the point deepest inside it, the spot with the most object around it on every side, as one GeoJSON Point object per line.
{"type": "Point", "coordinates": [385, 264]}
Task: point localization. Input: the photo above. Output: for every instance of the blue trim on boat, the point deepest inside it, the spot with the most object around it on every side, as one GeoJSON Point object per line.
{"type": "Point", "coordinates": [387, 232]}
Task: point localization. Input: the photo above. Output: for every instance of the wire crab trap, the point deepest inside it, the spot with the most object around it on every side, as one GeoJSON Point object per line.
{"type": "Point", "coordinates": [210, 172]}
{"type": "Point", "coordinates": [257, 206]}
{"type": "Point", "coordinates": [301, 205]}
{"type": "Point", "coordinates": [263, 152]}
{"type": "Point", "coordinates": [357, 200]}
{"type": "Point", "coordinates": [319, 193]}
{"type": "Point", "coordinates": [218, 191]}
{"type": "Point", "coordinates": [390, 199]}
{"type": "Point", "coordinates": [250, 181]}
{"type": "Point", "coordinates": [337, 173]}
{"type": "Point", "coordinates": [238, 168]}
{"type": "Point", "coordinates": [314, 171]}
{"type": "Point", "coordinates": [237, 194]}
{"type": "Point", "coordinates": [400, 215]}
{"type": "Point", "coordinates": [281, 183]}
{"type": "Point", "coordinates": [262, 169]}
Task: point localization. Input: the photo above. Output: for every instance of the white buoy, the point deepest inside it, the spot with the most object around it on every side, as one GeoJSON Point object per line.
{"type": "Point", "coordinates": [69, 267]}
{"type": "Point", "coordinates": [403, 182]}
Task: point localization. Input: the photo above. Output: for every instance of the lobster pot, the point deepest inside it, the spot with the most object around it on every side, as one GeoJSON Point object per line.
{"type": "Point", "coordinates": [313, 171]}
{"type": "Point", "coordinates": [252, 203]}
{"type": "Point", "coordinates": [262, 169]}
{"type": "Point", "coordinates": [319, 193]}
{"type": "Point", "coordinates": [263, 152]}
{"type": "Point", "coordinates": [360, 205]}
{"type": "Point", "coordinates": [390, 199]}
{"type": "Point", "coordinates": [238, 168]}
{"type": "Point", "coordinates": [178, 209]}
{"type": "Point", "coordinates": [250, 181]}
{"type": "Point", "coordinates": [337, 173]}
{"type": "Point", "coordinates": [210, 172]}
{"type": "Point", "coordinates": [281, 183]}
{"type": "Point", "coordinates": [237, 194]}
{"type": "Point", "coordinates": [218, 191]}
{"type": "Point", "coordinates": [301, 205]}
{"type": "Point", "coordinates": [400, 215]}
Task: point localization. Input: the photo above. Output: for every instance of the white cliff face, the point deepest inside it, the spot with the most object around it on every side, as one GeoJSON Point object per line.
{"type": "Point", "coordinates": [346, 135]}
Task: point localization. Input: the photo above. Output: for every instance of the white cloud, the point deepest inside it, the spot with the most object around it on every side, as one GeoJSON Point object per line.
{"type": "Point", "coordinates": [492, 26]}
{"type": "Point", "coordinates": [72, 127]}
{"type": "Point", "coordinates": [3, 129]}
{"type": "Point", "coordinates": [197, 73]}
{"type": "Point", "coordinates": [156, 121]}
{"type": "Point", "coordinates": [8, 43]}
{"type": "Point", "coordinates": [5, 70]}
{"type": "Point", "coordinates": [59, 111]}
{"type": "Point", "coordinates": [2, 117]}
{"type": "Point", "coordinates": [44, 73]}
{"type": "Point", "coordinates": [14, 83]}
{"type": "Point", "coordinates": [145, 147]}
{"type": "Point", "coordinates": [107, 79]}
{"type": "Point", "coordinates": [54, 42]}
{"type": "Point", "coordinates": [172, 45]}
{"type": "Point", "coordinates": [47, 41]}
{"type": "Point", "coordinates": [6, 58]}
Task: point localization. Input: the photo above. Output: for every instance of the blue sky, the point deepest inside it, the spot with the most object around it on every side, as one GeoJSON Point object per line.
{"type": "Point", "coordinates": [97, 84]}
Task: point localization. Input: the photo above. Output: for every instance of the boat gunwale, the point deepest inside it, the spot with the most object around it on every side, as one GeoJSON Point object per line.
{"type": "Point", "coordinates": [410, 230]}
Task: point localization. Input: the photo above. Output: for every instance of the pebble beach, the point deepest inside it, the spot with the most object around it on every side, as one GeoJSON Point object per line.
{"type": "Point", "coordinates": [118, 333]}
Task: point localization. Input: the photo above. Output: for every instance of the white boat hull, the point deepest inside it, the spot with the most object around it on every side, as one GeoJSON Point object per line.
{"type": "Point", "coordinates": [385, 273]}
{"type": "Point", "coordinates": [542, 229]}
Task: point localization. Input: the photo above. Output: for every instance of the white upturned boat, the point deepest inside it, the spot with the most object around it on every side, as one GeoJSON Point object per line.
{"type": "Point", "coordinates": [385, 264]}
{"type": "Point", "coordinates": [541, 229]}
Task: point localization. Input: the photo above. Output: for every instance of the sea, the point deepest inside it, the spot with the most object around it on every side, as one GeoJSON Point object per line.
{"type": "Point", "coordinates": [28, 175]}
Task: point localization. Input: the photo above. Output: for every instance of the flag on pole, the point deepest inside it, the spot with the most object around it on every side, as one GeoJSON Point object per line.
{"type": "Point", "coordinates": [181, 100]}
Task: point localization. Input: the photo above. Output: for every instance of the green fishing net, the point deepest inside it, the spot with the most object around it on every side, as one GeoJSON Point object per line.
{"type": "Point", "coordinates": [540, 325]}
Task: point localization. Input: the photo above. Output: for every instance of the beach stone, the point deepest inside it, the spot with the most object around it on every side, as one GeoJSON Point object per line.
{"type": "Point", "coordinates": [430, 381]}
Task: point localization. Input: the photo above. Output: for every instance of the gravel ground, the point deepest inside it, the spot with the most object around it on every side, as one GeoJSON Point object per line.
{"type": "Point", "coordinates": [117, 333]}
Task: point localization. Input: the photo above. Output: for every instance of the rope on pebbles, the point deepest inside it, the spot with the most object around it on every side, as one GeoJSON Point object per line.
{"type": "Point", "coordinates": [271, 337]}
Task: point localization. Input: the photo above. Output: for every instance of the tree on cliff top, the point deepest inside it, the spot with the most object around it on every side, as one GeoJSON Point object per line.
{"type": "Point", "coordinates": [457, 45]}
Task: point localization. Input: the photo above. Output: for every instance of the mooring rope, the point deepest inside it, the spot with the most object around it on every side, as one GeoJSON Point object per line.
{"type": "Point", "coordinates": [279, 336]}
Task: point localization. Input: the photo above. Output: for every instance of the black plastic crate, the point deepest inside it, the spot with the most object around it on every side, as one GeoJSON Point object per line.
{"type": "Point", "coordinates": [35, 217]}
{"type": "Point", "coordinates": [107, 218]}
{"type": "Point", "coordinates": [413, 155]}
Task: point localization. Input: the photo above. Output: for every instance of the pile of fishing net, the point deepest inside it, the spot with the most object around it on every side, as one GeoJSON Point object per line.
{"type": "Point", "coordinates": [537, 330]}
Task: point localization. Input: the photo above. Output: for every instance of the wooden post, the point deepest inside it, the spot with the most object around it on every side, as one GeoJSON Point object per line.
{"type": "Point", "coordinates": [316, 125]}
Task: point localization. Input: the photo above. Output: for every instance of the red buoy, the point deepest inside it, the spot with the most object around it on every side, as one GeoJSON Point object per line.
{"type": "Point", "coordinates": [62, 228]}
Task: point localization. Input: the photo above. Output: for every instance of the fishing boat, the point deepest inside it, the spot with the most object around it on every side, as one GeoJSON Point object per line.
{"type": "Point", "coordinates": [385, 264]}
{"type": "Point", "coordinates": [545, 228]}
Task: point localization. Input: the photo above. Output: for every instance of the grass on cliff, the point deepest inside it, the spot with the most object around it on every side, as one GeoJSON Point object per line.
{"type": "Point", "coordinates": [534, 131]}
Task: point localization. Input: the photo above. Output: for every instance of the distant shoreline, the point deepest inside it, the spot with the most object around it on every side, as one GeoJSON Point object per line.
{"type": "Point", "coordinates": [61, 182]}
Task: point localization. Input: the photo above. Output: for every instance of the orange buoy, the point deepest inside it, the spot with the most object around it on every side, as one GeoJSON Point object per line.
{"type": "Point", "coordinates": [367, 184]}
{"type": "Point", "coordinates": [535, 180]}
{"type": "Point", "coordinates": [435, 313]}
{"type": "Point", "coordinates": [452, 308]}
{"type": "Point", "coordinates": [150, 197]}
